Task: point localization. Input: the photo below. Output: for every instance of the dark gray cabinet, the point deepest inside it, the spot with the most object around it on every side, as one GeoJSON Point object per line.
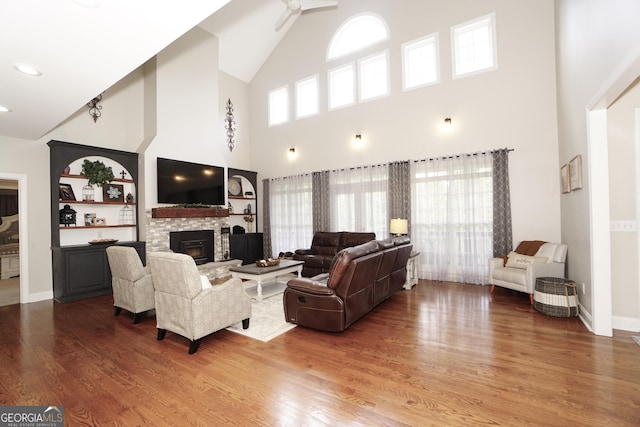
{"type": "Point", "coordinates": [247, 247]}
{"type": "Point", "coordinates": [83, 271]}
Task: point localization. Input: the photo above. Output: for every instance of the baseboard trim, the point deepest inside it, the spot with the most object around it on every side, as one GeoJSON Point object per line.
{"type": "Point", "coordinates": [623, 323]}
{"type": "Point", "coordinates": [40, 296]}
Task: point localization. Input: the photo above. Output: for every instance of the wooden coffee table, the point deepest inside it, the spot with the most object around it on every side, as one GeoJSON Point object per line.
{"type": "Point", "coordinates": [265, 274]}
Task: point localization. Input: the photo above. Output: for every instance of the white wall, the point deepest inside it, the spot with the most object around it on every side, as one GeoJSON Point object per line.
{"type": "Point", "coordinates": [593, 39]}
{"type": "Point", "coordinates": [513, 106]}
{"type": "Point", "coordinates": [190, 109]}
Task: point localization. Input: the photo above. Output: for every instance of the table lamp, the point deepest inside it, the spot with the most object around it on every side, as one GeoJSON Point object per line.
{"type": "Point", "coordinates": [398, 227]}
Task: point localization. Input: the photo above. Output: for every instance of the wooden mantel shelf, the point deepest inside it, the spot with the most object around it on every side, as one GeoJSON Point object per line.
{"type": "Point", "coordinates": [188, 213]}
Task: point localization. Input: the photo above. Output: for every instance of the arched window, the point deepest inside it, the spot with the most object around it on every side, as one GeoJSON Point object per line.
{"type": "Point", "coordinates": [357, 33]}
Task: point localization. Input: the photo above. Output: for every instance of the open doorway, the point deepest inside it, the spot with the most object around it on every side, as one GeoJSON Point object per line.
{"type": "Point", "coordinates": [9, 243]}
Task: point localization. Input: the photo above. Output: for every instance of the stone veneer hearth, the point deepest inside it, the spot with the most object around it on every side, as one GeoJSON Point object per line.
{"type": "Point", "coordinates": [158, 229]}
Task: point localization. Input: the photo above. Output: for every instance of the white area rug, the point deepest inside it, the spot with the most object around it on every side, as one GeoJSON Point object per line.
{"type": "Point", "coordinates": [267, 320]}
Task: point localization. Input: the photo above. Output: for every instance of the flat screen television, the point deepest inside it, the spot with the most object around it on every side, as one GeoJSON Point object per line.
{"type": "Point", "coordinates": [189, 183]}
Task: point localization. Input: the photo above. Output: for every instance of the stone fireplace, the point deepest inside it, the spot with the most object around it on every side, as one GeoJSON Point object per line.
{"type": "Point", "coordinates": [158, 232]}
{"type": "Point", "coordinates": [198, 244]}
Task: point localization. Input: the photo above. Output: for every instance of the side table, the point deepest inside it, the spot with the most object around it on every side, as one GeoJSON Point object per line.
{"type": "Point", "coordinates": [412, 271]}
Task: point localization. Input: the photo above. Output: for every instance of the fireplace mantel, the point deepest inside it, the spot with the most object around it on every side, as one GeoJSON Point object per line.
{"type": "Point", "coordinates": [189, 213]}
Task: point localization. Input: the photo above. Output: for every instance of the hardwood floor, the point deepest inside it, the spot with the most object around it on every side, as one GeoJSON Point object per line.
{"type": "Point", "coordinates": [440, 354]}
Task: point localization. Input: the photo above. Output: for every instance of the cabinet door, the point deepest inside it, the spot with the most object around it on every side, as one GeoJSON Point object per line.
{"type": "Point", "coordinates": [254, 247]}
{"type": "Point", "coordinates": [87, 272]}
{"type": "Point", "coordinates": [238, 247]}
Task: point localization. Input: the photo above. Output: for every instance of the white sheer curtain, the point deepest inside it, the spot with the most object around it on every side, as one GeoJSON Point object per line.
{"type": "Point", "coordinates": [290, 213]}
{"type": "Point", "coordinates": [452, 208]}
{"type": "Point", "coordinates": [359, 200]}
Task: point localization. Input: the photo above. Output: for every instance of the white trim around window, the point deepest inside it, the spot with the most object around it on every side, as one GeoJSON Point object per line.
{"type": "Point", "coordinates": [373, 73]}
{"type": "Point", "coordinates": [421, 62]}
{"type": "Point", "coordinates": [341, 83]}
{"type": "Point", "coordinates": [474, 46]}
{"type": "Point", "coordinates": [278, 106]}
{"type": "Point", "coordinates": [307, 97]}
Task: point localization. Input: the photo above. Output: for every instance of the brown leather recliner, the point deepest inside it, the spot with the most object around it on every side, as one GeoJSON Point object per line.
{"type": "Point", "coordinates": [324, 246]}
{"type": "Point", "coordinates": [360, 278]}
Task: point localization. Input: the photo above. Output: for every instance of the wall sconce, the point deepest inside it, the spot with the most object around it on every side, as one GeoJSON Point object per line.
{"type": "Point", "coordinates": [398, 227]}
{"type": "Point", "coordinates": [95, 107]}
{"type": "Point", "coordinates": [447, 121]}
{"type": "Point", "coordinates": [230, 125]}
{"type": "Point", "coordinates": [292, 153]}
{"type": "Point", "coordinates": [358, 140]}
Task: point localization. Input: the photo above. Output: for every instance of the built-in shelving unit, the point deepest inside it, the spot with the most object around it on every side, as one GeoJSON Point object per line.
{"type": "Point", "coordinates": [248, 246]}
{"type": "Point", "coordinates": [81, 269]}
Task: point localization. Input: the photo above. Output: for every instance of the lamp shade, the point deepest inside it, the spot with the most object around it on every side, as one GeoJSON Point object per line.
{"type": "Point", "coordinates": [398, 226]}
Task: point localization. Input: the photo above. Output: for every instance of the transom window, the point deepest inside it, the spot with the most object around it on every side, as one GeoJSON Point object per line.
{"type": "Point", "coordinates": [420, 62]}
{"type": "Point", "coordinates": [341, 86]}
{"type": "Point", "coordinates": [278, 106]}
{"type": "Point", "coordinates": [374, 76]}
{"type": "Point", "coordinates": [307, 97]}
{"type": "Point", "coordinates": [356, 34]}
{"type": "Point", "coordinates": [474, 46]}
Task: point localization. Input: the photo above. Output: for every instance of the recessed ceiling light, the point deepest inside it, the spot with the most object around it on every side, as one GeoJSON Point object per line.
{"type": "Point", "coordinates": [27, 69]}
{"type": "Point", "coordinates": [4, 109]}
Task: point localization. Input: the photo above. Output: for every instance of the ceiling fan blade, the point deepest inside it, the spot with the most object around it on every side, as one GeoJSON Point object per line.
{"type": "Point", "coordinates": [283, 18]}
{"type": "Point", "coordinates": [316, 4]}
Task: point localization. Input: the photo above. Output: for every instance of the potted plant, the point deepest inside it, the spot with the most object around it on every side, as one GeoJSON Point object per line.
{"type": "Point", "coordinates": [97, 173]}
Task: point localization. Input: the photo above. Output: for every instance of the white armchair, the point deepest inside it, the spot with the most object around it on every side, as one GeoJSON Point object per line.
{"type": "Point", "coordinates": [188, 305]}
{"type": "Point", "coordinates": [131, 282]}
{"type": "Point", "coordinates": [521, 271]}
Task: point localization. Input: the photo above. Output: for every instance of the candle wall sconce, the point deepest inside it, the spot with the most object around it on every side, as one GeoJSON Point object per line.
{"type": "Point", "coordinates": [230, 125]}
{"type": "Point", "coordinates": [95, 107]}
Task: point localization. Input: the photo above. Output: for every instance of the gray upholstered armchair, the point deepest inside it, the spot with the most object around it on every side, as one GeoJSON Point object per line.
{"type": "Point", "coordinates": [131, 282]}
{"type": "Point", "coordinates": [188, 305]}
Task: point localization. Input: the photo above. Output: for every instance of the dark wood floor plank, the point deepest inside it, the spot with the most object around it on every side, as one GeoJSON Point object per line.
{"type": "Point", "coordinates": [440, 354]}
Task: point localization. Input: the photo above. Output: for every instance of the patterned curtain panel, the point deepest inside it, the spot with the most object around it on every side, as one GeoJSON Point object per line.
{"type": "Point", "coordinates": [266, 219]}
{"type": "Point", "coordinates": [502, 231]}
{"type": "Point", "coordinates": [400, 191]}
{"type": "Point", "coordinates": [321, 203]}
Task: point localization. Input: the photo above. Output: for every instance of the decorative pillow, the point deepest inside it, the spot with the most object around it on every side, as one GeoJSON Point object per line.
{"type": "Point", "coordinates": [547, 250]}
{"type": "Point", "coordinates": [517, 260]}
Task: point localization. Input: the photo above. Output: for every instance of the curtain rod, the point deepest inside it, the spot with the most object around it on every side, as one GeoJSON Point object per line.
{"type": "Point", "coordinates": [455, 156]}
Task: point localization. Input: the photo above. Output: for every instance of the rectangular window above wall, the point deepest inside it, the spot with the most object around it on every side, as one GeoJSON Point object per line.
{"type": "Point", "coordinates": [307, 97]}
{"type": "Point", "coordinates": [374, 76]}
{"type": "Point", "coordinates": [474, 46]}
{"type": "Point", "coordinates": [420, 62]}
{"type": "Point", "coordinates": [341, 86]}
{"type": "Point", "coordinates": [279, 106]}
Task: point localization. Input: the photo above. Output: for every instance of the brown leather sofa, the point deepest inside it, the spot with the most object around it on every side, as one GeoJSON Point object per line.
{"type": "Point", "coordinates": [361, 277]}
{"type": "Point", "coordinates": [324, 246]}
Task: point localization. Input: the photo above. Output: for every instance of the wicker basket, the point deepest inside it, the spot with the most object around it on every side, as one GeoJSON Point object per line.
{"type": "Point", "coordinates": [555, 296]}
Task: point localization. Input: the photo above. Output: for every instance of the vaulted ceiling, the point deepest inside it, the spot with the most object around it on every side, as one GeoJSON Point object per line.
{"type": "Point", "coordinates": [83, 47]}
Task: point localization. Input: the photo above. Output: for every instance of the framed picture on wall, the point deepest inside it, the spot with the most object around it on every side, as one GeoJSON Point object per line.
{"type": "Point", "coordinates": [565, 178]}
{"type": "Point", "coordinates": [575, 172]}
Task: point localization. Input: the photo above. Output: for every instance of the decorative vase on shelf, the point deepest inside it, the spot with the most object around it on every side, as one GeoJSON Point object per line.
{"type": "Point", "coordinates": [67, 170]}
{"type": "Point", "coordinates": [88, 193]}
{"type": "Point", "coordinates": [250, 227]}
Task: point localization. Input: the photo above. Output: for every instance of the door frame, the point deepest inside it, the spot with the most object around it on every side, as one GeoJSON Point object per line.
{"type": "Point", "coordinates": [22, 230]}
